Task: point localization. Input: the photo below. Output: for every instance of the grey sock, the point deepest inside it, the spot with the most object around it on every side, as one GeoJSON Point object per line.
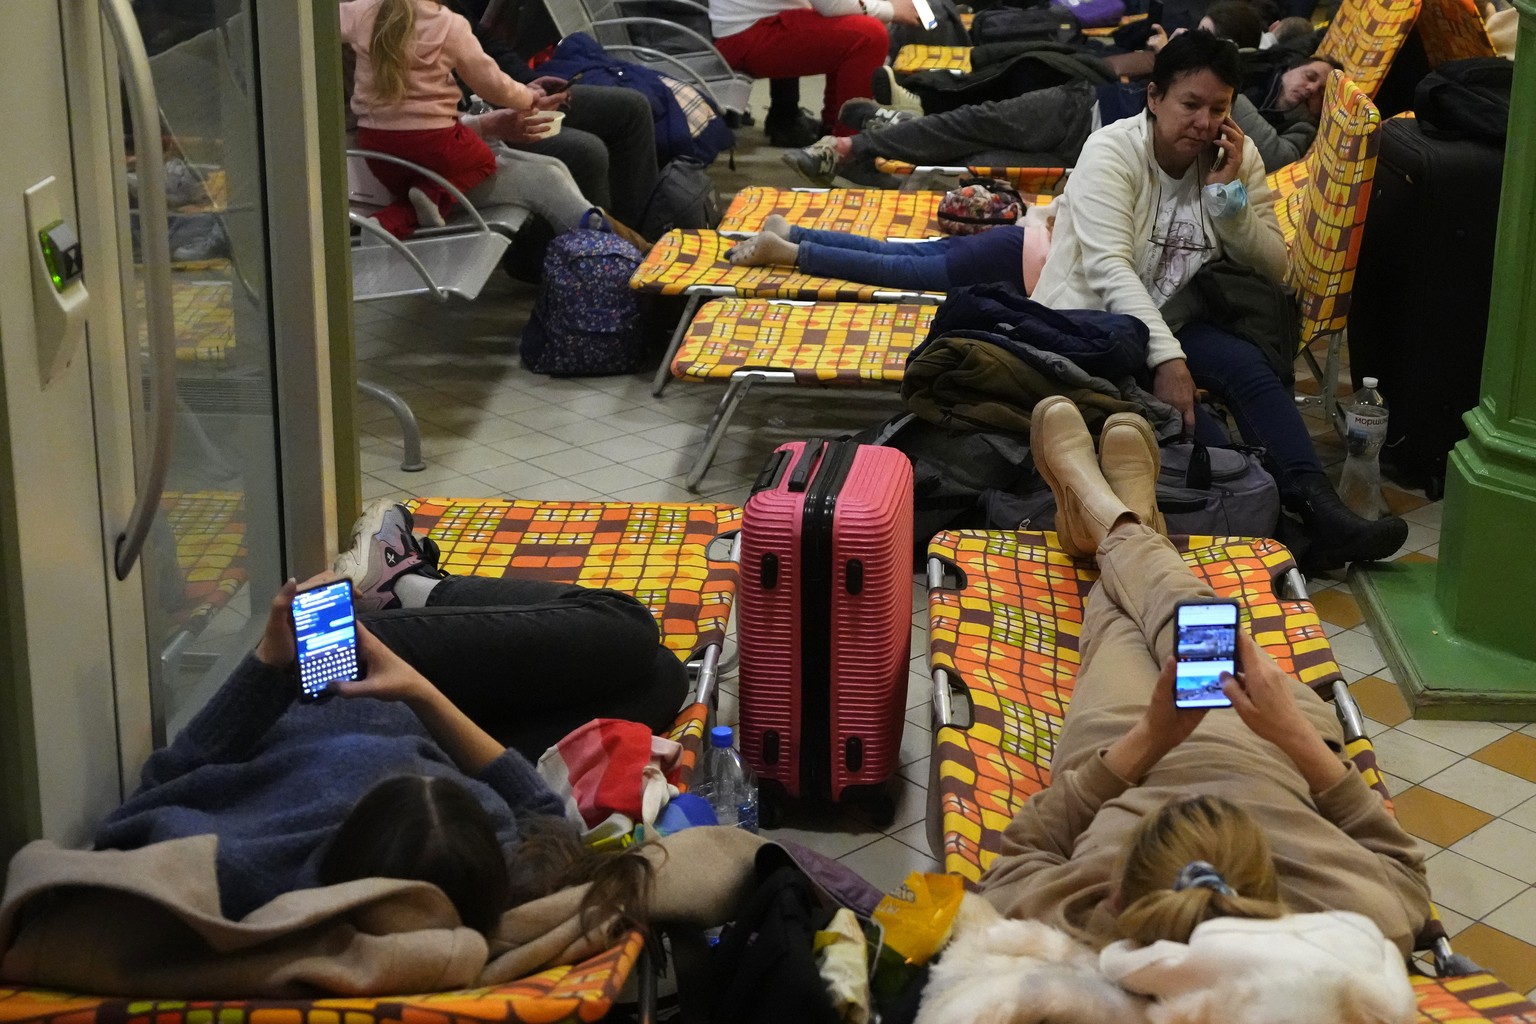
{"type": "Point", "coordinates": [775, 224]}
{"type": "Point", "coordinates": [413, 589]}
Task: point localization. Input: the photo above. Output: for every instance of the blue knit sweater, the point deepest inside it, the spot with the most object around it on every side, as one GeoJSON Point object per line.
{"type": "Point", "coordinates": [273, 778]}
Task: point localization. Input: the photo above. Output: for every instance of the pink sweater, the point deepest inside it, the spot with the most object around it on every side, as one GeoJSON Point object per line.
{"type": "Point", "coordinates": [444, 44]}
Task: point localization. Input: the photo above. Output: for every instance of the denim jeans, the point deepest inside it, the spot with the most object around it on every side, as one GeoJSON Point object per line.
{"type": "Point", "coordinates": [529, 661]}
{"type": "Point", "coordinates": [1237, 373]}
{"type": "Point", "coordinates": [951, 262]}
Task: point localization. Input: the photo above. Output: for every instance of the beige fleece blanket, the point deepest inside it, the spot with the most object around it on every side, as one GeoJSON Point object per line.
{"type": "Point", "coordinates": [147, 923]}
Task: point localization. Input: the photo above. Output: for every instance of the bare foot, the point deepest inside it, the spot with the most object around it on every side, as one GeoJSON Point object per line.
{"type": "Point", "coordinates": [764, 250]}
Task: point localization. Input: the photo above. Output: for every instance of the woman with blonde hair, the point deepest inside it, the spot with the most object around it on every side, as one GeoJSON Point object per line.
{"type": "Point", "coordinates": [1198, 837]}
{"type": "Point", "coordinates": [406, 101]}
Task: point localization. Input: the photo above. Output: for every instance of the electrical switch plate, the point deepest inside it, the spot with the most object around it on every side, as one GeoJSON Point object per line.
{"type": "Point", "coordinates": [59, 298]}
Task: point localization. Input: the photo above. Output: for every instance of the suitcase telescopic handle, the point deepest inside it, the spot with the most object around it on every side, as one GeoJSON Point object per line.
{"type": "Point", "coordinates": [800, 476]}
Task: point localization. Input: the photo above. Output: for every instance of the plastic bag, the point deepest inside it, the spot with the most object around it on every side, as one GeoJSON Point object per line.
{"type": "Point", "coordinates": [918, 919]}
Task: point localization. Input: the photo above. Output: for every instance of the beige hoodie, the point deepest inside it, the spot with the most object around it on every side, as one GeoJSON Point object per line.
{"type": "Point", "coordinates": [444, 44]}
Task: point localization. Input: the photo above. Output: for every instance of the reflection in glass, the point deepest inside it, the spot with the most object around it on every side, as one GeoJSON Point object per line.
{"type": "Point", "coordinates": [214, 551]}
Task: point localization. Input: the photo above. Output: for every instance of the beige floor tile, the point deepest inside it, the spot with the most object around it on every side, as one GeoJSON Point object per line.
{"type": "Point", "coordinates": [1402, 502]}
{"type": "Point", "coordinates": [1441, 820]}
{"type": "Point", "coordinates": [1462, 737]}
{"type": "Point", "coordinates": [1339, 608]}
{"type": "Point", "coordinates": [1395, 785]}
{"type": "Point", "coordinates": [609, 479]}
{"type": "Point", "coordinates": [530, 446]}
{"type": "Point", "coordinates": [1409, 757]}
{"type": "Point", "coordinates": [887, 862]}
{"type": "Point", "coordinates": [474, 460]}
{"type": "Point", "coordinates": [1380, 700]}
{"type": "Point", "coordinates": [1517, 916]}
{"type": "Point", "coordinates": [1524, 816]}
{"type": "Point", "coordinates": [1514, 753]}
{"type": "Point", "coordinates": [916, 744]}
{"type": "Point", "coordinates": [1502, 846]}
{"type": "Point", "coordinates": [570, 463]}
{"type": "Point", "coordinates": [1510, 959]}
{"type": "Point", "coordinates": [1356, 650]}
{"type": "Point", "coordinates": [514, 478]}
{"type": "Point", "coordinates": [830, 833]}
{"type": "Point", "coordinates": [1467, 887]}
{"type": "Point", "coordinates": [1482, 786]}
{"type": "Point", "coordinates": [916, 836]}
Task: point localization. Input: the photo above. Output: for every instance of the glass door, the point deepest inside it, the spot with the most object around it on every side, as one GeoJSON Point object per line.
{"type": "Point", "coordinates": [214, 549]}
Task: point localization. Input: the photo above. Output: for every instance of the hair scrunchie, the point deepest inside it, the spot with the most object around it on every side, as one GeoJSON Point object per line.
{"type": "Point", "coordinates": [1198, 874]}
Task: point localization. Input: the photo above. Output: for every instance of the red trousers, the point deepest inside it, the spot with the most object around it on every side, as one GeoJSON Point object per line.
{"type": "Point", "coordinates": [456, 153]}
{"type": "Point", "coordinates": [794, 43]}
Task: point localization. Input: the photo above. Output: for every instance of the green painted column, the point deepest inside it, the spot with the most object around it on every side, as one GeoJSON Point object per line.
{"type": "Point", "coordinates": [1460, 634]}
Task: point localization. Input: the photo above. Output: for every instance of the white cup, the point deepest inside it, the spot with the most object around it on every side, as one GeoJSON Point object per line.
{"type": "Point", "coordinates": [549, 120]}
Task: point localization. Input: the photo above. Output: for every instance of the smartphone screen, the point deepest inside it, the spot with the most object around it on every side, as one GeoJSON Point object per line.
{"type": "Point", "coordinates": [1205, 646]}
{"type": "Point", "coordinates": [326, 633]}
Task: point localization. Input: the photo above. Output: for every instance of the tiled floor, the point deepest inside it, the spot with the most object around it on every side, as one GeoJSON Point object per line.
{"type": "Point", "coordinates": [491, 428]}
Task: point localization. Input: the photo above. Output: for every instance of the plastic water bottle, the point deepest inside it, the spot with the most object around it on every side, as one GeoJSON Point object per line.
{"type": "Point", "coordinates": [1365, 430]}
{"type": "Point", "coordinates": [728, 783]}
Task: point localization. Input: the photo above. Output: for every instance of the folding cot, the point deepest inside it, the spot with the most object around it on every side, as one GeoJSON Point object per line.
{"type": "Point", "coordinates": [1322, 216]}
{"type": "Point", "coordinates": [921, 57]}
{"type": "Point", "coordinates": [1038, 182]}
{"type": "Point", "coordinates": [693, 264]}
{"type": "Point", "coordinates": [1453, 30]}
{"type": "Point", "coordinates": [874, 212]}
{"type": "Point", "coordinates": [753, 341]}
{"type": "Point", "coordinates": [1364, 37]}
{"type": "Point", "coordinates": [669, 557]}
{"type": "Point", "coordinates": [1005, 613]}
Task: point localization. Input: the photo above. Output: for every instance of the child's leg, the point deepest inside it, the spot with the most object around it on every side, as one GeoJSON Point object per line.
{"type": "Point", "coordinates": [456, 153]}
{"type": "Point", "coordinates": [541, 183]}
{"type": "Point", "coordinates": [460, 156]}
{"type": "Point", "coordinates": [921, 265]}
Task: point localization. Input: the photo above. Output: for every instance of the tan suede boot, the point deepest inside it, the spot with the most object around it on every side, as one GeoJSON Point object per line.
{"type": "Point", "coordinates": [1086, 506]}
{"type": "Point", "coordinates": [1129, 460]}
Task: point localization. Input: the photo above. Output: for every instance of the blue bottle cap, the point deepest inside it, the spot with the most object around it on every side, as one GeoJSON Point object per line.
{"type": "Point", "coordinates": [720, 736]}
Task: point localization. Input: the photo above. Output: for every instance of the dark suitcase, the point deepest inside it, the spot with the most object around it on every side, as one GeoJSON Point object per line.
{"type": "Point", "coordinates": [1419, 315]}
{"type": "Point", "coordinates": [825, 616]}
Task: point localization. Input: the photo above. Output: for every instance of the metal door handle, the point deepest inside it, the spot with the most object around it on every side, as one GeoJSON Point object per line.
{"type": "Point", "coordinates": [155, 247]}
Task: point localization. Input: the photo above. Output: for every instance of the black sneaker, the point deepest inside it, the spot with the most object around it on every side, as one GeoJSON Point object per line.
{"type": "Point", "coordinates": [795, 132]}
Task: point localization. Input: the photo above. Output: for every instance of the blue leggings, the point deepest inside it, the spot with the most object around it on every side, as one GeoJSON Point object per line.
{"type": "Point", "coordinates": [1237, 373]}
{"type": "Point", "coordinates": [994, 256]}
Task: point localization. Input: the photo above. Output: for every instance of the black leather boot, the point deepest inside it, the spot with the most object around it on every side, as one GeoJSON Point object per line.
{"type": "Point", "coordinates": [1337, 535]}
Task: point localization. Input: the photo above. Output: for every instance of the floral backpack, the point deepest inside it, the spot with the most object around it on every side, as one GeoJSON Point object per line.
{"type": "Point", "coordinates": [979, 204]}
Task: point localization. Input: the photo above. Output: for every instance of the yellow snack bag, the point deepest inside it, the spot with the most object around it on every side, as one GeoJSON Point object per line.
{"type": "Point", "coordinates": [917, 919]}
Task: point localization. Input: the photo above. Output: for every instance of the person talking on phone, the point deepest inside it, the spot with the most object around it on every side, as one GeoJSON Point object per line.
{"type": "Point", "coordinates": [1146, 799]}
{"type": "Point", "coordinates": [422, 768]}
{"type": "Point", "coordinates": [1153, 200]}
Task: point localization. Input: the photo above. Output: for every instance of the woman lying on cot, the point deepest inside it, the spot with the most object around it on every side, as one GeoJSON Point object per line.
{"type": "Point", "coordinates": [1230, 830]}
{"type": "Point", "coordinates": [394, 776]}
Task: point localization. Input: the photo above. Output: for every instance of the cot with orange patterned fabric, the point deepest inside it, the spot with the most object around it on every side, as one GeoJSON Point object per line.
{"type": "Point", "coordinates": [693, 264]}
{"type": "Point", "coordinates": [677, 560]}
{"type": "Point", "coordinates": [747, 342]}
{"type": "Point", "coordinates": [1005, 615]}
{"type": "Point", "coordinates": [873, 212]}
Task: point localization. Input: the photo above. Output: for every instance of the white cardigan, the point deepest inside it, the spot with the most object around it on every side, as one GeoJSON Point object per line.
{"type": "Point", "coordinates": [1104, 224]}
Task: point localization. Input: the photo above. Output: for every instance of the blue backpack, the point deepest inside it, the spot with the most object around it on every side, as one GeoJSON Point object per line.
{"type": "Point", "coordinates": [586, 321]}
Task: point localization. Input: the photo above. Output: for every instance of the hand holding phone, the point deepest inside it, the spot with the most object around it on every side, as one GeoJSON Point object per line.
{"type": "Point", "coordinates": [1204, 648]}
{"type": "Point", "coordinates": [325, 635]}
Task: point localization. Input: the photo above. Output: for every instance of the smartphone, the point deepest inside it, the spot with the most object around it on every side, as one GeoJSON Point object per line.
{"type": "Point", "coordinates": [325, 633]}
{"type": "Point", "coordinates": [925, 14]}
{"type": "Point", "coordinates": [1205, 646]}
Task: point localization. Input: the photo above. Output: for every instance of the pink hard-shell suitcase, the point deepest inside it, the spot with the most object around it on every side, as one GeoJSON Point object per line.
{"type": "Point", "coordinates": [825, 610]}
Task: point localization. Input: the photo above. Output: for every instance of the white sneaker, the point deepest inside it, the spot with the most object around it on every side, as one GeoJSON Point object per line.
{"type": "Point", "coordinates": [885, 88]}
